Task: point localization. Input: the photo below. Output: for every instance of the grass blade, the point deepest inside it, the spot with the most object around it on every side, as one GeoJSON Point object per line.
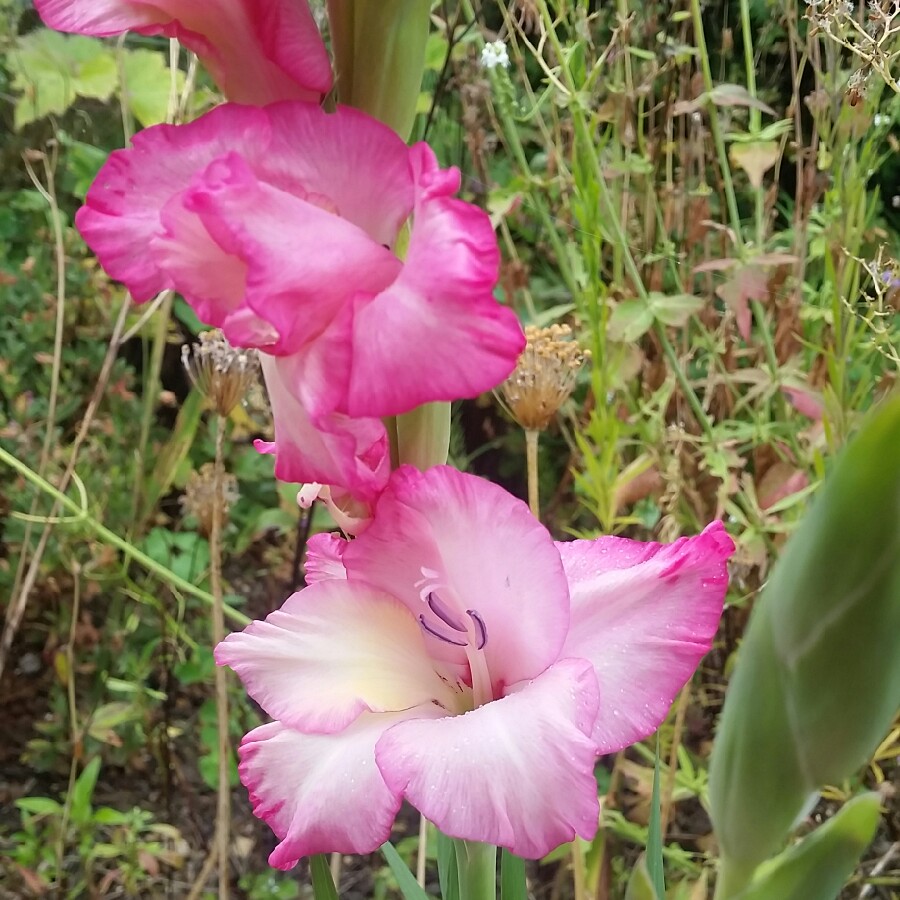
{"type": "Point", "coordinates": [406, 881]}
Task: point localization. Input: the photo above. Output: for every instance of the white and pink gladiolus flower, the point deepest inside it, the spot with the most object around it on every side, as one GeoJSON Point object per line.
{"type": "Point", "coordinates": [282, 226]}
{"type": "Point", "coordinates": [455, 657]}
{"type": "Point", "coordinates": [258, 51]}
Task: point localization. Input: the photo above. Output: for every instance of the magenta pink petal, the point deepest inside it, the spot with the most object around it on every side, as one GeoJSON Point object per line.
{"type": "Point", "coordinates": [644, 614]}
{"type": "Point", "coordinates": [468, 545]}
{"type": "Point", "coordinates": [517, 773]}
{"type": "Point", "coordinates": [121, 215]}
{"type": "Point", "coordinates": [334, 650]}
{"type": "Point", "coordinates": [332, 449]}
{"type": "Point", "coordinates": [259, 51]}
{"type": "Point", "coordinates": [439, 319]}
{"type": "Point", "coordinates": [256, 230]}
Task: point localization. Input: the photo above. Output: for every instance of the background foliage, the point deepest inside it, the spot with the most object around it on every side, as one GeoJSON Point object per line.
{"type": "Point", "coordinates": [709, 195]}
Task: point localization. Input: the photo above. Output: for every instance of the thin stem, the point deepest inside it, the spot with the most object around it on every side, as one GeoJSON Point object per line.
{"type": "Point", "coordinates": [477, 867]}
{"type": "Point", "coordinates": [422, 854]}
{"type": "Point", "coordinates": [718, 138]}
{"type": "Point", "coordinates": [669, 788]}
{"type": "Point", "coordinates": [586, 145]}
{"type": "Point", "coordinates": [102, 532]}
{"type": "Point", "coordinates": [223, 807]}
{"type": "Point", "coordinates": [531, 459]}
{"type": "Point", "coordinates": [23, 586]}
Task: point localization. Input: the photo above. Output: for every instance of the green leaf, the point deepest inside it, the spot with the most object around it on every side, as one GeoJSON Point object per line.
{"type": "Point", "coordinates": [801, 709]}
{"type": "Point", "coordinates": [448, 874]}
{"type": "Point", "coordinates": [148, 84]}
{"type": "Point", "coordinates": [512, 877]}
{"type": "Point", "coordinates": [322, 882]}
{"type": "Point", "coordinates": [630, 320]}
{"type": "Point", "coordinates": [640, 884]}
{"type": "Point", "coordinates": [675, 309]}
{"type": "Point", "coordinates": [40, 806]}
{"type": "Point", "coordinates": [83, 790]}
{"type": "Point", "coordinates": [106, 815]}
{"type": "Point", "coordinates": [406, 881]}
{"type": "Point", "coordinates": [52, 69]}
{"type": "Point", "coordinates": [654, 854]}
{"type": "Point", "coordinates": [818, 866]}
{"type": "Point", "coordinates": [173, 453]}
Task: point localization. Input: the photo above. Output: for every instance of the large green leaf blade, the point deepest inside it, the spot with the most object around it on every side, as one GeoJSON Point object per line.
{"type": "Point", "coordinates": [818, 866]}
{"type": "Point", "coordinates": [818, 678]}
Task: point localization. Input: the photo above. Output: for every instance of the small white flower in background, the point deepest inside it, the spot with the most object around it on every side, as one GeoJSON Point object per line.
{"type": "Point", "coordinates": [880, 119]}
{"type": "Point", "coordinates": [494, 54]}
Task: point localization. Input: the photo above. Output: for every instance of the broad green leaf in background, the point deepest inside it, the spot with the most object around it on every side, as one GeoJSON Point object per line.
{"type": "Point", "coordinates": [147, 85]}
{"type": "Point", "coordinates": [83, 791]}
{"type": "Point", "coordinates": [817, 683]}
{"type": "Point", "coordinates": [52, 69]}
{"type": "Point", "coordinates": [817, 867]}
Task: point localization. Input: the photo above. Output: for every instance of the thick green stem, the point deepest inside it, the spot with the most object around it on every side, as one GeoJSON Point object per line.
{"type": "Point", "coordinates": [477, 867]}
{"type": "Point", "coordinates": [731, 880]}
{"type": "Point", "coordinates": [111, 538]}
{"type": "Point", "coordinates": [423, 436]}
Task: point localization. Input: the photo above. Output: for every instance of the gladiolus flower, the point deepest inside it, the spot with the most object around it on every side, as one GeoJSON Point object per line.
{"type": "Point", "coordinates": [258, 51]}
{"type": "Point", "coordinates": [461, 660]}
{"type": "Point", "coordinates": [279, 226]}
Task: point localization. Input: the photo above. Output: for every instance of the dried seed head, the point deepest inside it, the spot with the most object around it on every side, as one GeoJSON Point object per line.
{"type": "Point", "coordinates": [544, 377]}
{"type": "Point", "coordinates": [199, 498]}
{"type": "Point", "coordinates": [222, 373]}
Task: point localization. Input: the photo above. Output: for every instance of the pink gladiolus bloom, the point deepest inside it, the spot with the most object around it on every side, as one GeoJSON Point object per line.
{"type": "Point", "coordinates": [454, 656]}
{"type": "Point", "coordinates": [278, 225]}
{"type": "Point", "coordinates": [258, 51]}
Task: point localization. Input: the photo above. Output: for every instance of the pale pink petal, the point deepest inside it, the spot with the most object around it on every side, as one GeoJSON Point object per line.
{"type": "Point", "coordinates": [517, 773]}
{"type": "Point", "coordinates": [324, 557]}
{"type": "Point", "coordinates": [471, 546]}
{"type": "Point", "coordinates": [333, 651]}
{"type": "Point", "coordinates": [350, 514]}
{"type": "Point", "coordinates": [332, 449]}
{"type": "Point", "coordinates": [644, 614]}
{"type": "Point", "coordinates": [321, 793]}
{"type": "Point", "coordinates": [439, 319]}
{"type": "Point", "coordinates": [288, 250]}
{"type": "Point", "coordinates": [259, 51]}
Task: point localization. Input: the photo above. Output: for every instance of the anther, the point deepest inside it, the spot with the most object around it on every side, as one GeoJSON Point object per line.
{"type": "Point", "coordinates": [444, 614]}
{"type": "Point", "coordinates": [438, 635]}
{"type": "Point", "coordinates": [480, 628]}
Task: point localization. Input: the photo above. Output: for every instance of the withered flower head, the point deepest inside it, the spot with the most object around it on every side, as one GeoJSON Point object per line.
{"type": "Point", "coordinates": [199, 498]}
{"type": "Point", "coordinates": [544, 377]}
{"type": "Point", "coordinates": [222, 373]}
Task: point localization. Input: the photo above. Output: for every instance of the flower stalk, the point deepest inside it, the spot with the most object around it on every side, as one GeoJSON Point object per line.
{"type": "Point", "coordinates": [477, 868]}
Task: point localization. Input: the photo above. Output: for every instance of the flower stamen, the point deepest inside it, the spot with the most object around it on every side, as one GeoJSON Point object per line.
{"type": "Point", "coordinates": [444, 614]}
{"type": "Point", "coordinates": [441, 637]}
{"type": "Point", "coordinates": [480, 628]}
